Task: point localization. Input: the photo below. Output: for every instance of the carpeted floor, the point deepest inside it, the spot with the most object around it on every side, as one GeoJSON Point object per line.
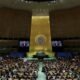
{"type": "Point", "coordinates": [41, 75]}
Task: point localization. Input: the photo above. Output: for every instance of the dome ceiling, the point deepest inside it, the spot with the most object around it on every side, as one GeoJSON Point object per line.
{"type": "Point", "coordinates": [41, 7]}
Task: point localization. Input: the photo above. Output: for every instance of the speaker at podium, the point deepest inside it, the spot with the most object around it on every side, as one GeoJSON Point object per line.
{"type": "Point", "coordinates": [40, 55]}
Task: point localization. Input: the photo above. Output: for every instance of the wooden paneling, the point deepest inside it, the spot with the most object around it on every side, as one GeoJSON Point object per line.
{"type": "Point", "coordinates": [15, 23]}
{"type": "Point", "coordinates": [9, 43]}
{"type": "Point", "coordinates": [72, 43]}
{"type": "Point", "coordinates": [65, 23]}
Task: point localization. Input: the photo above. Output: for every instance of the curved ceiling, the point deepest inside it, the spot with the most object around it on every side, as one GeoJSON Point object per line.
{"type": "Point", "coordinates": [37, 7]}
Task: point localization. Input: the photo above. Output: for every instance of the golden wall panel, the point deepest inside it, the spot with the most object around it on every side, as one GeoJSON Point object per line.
{"type": "Point", "coordinates": [40, 28]}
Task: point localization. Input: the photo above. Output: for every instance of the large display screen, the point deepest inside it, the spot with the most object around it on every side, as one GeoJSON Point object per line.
{"type": "Point", "coordinates": [57, 43]}
{"type": "Point", "coordinates": [23, 43]}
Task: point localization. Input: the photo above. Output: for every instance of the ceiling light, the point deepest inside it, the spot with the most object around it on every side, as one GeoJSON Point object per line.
{"type": "Point", "coordinates": [39, 1]}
